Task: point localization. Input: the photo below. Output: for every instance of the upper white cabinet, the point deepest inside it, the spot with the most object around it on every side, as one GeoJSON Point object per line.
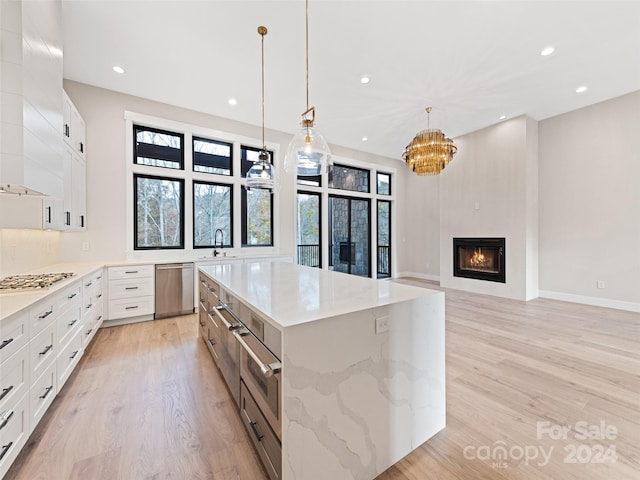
{"type": "Point", "coordinates": [31, 158]}
{"type": "Point", "coordinates": [74, 130]}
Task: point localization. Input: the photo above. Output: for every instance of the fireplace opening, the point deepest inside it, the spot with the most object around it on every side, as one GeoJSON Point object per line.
{"type": "Point", "coordinates": [479, 258]}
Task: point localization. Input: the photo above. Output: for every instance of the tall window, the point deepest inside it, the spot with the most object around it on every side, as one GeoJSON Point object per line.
{"type": "Point", "coordinates": [349, 235]}
{"type": "Point", "coordinates": [384, 239]}
{"type": "Point", "coordinates": [212, 213]}
{"type": "Point", "coordinates": [159, 212]}
{"type": "Point", "coordinates": [309, 218]}
{"type": "Point", "coordinates": [257, 217]}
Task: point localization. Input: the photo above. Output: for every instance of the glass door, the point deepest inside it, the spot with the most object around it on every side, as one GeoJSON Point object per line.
{"type": "Point", "coordinates": [350, 235]}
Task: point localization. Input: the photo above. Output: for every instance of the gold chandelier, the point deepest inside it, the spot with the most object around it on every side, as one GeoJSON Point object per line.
{"type": "Point", "coordinates": [429, 151]}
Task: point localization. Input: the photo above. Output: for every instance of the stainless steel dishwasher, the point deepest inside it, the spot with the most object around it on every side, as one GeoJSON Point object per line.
{"type": "Point", "coordinates": [174, 289]}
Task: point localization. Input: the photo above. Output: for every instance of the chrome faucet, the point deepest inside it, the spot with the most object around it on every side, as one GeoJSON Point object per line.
{"type": "Point", "coordinates": [215, 241]}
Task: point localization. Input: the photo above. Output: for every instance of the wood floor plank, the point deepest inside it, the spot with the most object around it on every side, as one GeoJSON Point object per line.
{"type": "Point", "coordinates": [146, 401]}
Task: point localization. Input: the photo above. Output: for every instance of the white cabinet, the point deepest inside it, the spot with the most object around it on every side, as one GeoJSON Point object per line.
{"type": "Point", "coordinates": [75, 169]}
{"type": "Point", "coordinates": [131, 291]}
{"type": "Point", "coordinates": [39, 348]}
{"type": "Point", "coordinates": [92, 306]}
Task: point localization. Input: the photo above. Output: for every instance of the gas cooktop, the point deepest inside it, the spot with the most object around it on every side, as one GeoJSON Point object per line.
{"type": "Point", "coordinates": [18, 283]}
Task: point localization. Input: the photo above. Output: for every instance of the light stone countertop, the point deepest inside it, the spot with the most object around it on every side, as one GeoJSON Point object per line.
{"type": "Point", "coordinates": [289, 294]}
{"type": "Point", "coordinates": [14, 302]}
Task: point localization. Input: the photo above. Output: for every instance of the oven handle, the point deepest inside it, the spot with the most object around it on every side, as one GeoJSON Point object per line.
{"type": "Point", "coordinates": [268, 370]}
{"type": "Point", "coordinates": [229, 326]}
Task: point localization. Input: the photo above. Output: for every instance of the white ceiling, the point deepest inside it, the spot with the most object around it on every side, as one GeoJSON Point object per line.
{"type": "Point", "coordinates": [472, 61]}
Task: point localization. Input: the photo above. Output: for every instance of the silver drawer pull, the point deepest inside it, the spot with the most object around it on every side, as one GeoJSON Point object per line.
{"type": "Point", "coordinates": [45, 314]}
{"type": "Point", "coordinates": [268, 370]}
{"type": "Point", "coordinates": [4, 418]}
{"type": "Point", "coordinates": [131, 288]}
{"type": "Point", "coordinates": [46, 349]}
{"type": "Point", "coordinates": [132, 271]}
{"type": "Point", "coordinates": [5, 343]}
{"type": "Point", "coordinates": [72, 323]}
{"type": "Point", "coordinates": [132, 307]}
{"type": "Point", "coordinates": [74, 355]}
{"type": "Point", "coordinates": [88, 284]}
{"type": "Point", "coordinates": [71, 296]}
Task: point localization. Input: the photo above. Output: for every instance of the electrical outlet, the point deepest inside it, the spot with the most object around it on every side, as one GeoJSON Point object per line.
{"type": "Point", "coordinates": [600, 284]}
{"type": "Point", "coordinates": [382, 325]}
{"type": "Point", "coordinates": [85, 246]}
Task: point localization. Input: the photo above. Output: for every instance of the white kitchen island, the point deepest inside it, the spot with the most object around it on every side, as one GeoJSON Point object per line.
{"type": "Point", "coordinates": [363, 365]}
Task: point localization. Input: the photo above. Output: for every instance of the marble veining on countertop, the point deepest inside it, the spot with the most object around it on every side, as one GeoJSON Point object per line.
{"type": "Point", "coordinates": [290, 294]}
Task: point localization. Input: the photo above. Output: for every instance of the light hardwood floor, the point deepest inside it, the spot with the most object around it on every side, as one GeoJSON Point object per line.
{"type": "Point", "coordinates": [146, 402]}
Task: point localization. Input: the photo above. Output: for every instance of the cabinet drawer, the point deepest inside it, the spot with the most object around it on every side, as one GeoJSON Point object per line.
{"type": "Point", "coordinates": [131, 271]}
{"type": "Point", "coordinates": [68, 324]}
{"type": "Point", "coordinates": [42, 314]}
{"type": "Point", "coordinates": [130, 287]}
{"type": "Point", "coordinates": [131, 307]}
{"type": "Point", "coordinates": [14, 381]}
{"type": "Point", "coordinates": [68, 359]}
{"type": "Point", "coordinates": [14, 334]}
{"type": "Point", "coordinates": [266, 442]}
{"type": "Point", "coordinates": [87, 333]}
{"type": "Point", "coordinates": [13, 433]}
{"type": "Point", "coordinates": [41, 394]}
{"type": "Point", "coordinates": [69, 297]}
{"type": "Point", "coordinates": [43, 350]}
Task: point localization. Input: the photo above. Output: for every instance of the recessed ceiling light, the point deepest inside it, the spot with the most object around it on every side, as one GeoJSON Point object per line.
{"type": "Point", "coordinates": [502, 117]}
{"type": "Point", "coordinates": [364, 139]}
{"type": "Point", "coordinates": [547, 51]}
{"type": "Point", "coordinates": [364, 80]}
{"type": "Point", "coordinates": [233, 101]}
{"type": "Point", "coordinates": [118, 69]}
{"type": "Point", "coordinates": [581, 89]}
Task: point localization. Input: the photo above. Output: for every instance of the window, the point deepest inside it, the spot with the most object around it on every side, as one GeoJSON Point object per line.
{"type": "Point", "coordinates": [158, 148]}
{"type": "Point", "coordinates": [249, 156]}
{"type": "Point", "coordinates": [158, 212]}
{"type": "Point", "coordinates": [384, 184]}
{"type": "Point", "coordinates": [212, 210]}
{"type": "Point", "coordinates": [384, 239]}
{"type": "Point", "coordinates": [186, 182]}
{"type": "Point", "coordinates": [212, 156]}
{"type": "Point", "coordinates": [349, 178]}
{"type": "Point", "coordinates": [313, 181]}
{"type": "Point", "coordinates": [309, 253]}
{"type": "Point", "coordinates": [257, 217]}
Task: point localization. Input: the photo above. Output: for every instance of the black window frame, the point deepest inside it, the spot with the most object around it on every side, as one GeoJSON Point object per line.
{"type": "Point", "coordinates": [244, 215]}
{"type": "Point", "coordinates": [194, 154]}
{"type": "Point", "coordinates": [135, 211]}
{"type": "Point", "coordinates": [378, 184]}
{"type": "Point", "coordinates": [349, 167]}
{"type": "Point", "coordinates": [350, 198]}
{"type": "Point", "coordinates": [193, 212]}
{"type": "Point", "coordinates": [378, 273]}
{"type": "Point", "coordinates": [138, 127]}
{"type": "Point", "coordinates": [319, 195]}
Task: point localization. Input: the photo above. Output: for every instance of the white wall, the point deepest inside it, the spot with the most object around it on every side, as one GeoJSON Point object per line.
{"type": "Point", "coordinates": [488, 191]}
{"type": "Point", "coordinates": [590, 203]}
{"type": "Point", "coordinates": [103, 111]}
{"type": "Point", "coordinates": [25, 250]}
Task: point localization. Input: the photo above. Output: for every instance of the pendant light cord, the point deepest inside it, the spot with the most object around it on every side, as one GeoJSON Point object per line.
{"type": "Point", "coordinates": [307, 48]}
{"type": "Point", "coordinates": [264, 146]}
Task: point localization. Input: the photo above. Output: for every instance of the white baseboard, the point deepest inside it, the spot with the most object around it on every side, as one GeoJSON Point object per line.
{"type": "Point", "coordinates": [422, 276]}
{"type": "Point", "coordinates": [596, 301]}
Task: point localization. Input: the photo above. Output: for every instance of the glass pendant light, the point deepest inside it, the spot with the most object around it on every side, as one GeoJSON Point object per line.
{"type": "Point", "coordinates": [262, 174]}
{"type": "Point", "coordinates": [308, 153]}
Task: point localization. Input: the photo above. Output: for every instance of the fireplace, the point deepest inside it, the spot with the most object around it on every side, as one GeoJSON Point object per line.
{"type": "Point", "coordinates": [479, 258]}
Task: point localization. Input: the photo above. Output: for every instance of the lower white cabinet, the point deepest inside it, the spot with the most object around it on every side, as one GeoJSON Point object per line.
{"type": "Point", "coordinates": [41, 394]}
{"type": "Point", "coordinates": [14, 431]}
{"type": "Point", "coordinates": [39, 348]}
{"type": "Point", "coordinates": [131, 291]}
